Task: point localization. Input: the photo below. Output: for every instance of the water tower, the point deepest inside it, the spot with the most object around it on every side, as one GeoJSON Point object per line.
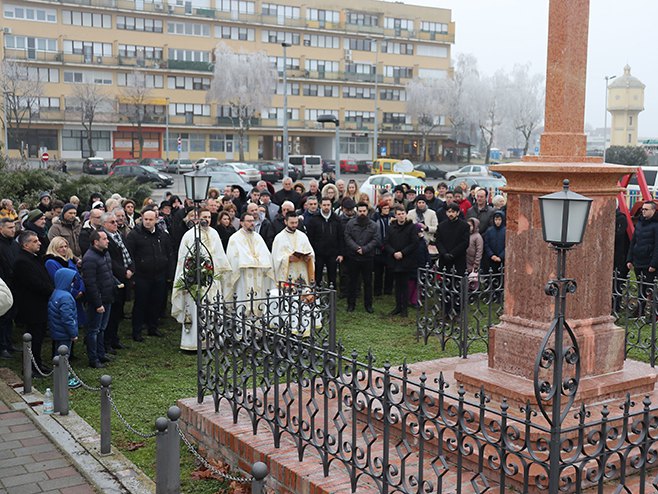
{"type": "Point", "coordinates": [625, 102]}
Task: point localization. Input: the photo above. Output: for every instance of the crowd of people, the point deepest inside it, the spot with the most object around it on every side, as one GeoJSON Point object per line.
{"type": "Point", "coordinates": [71, 267]}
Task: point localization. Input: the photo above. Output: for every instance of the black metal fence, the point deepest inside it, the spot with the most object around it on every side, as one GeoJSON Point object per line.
{"type": "Point", "coordinates": [411, 434]}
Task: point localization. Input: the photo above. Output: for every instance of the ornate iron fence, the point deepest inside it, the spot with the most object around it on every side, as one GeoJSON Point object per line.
{"type": "Point", "coordinates": [412, 434]}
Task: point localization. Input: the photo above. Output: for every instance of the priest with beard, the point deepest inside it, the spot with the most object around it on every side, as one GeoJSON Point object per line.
{"type": "Point", "coordinates": [293, 254]}
{"type": "Point", "coordinates": [183, 302]}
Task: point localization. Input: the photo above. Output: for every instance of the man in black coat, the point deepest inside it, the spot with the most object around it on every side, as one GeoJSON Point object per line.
{"type": "Point", "coordinates": [8, 252]}
{"type": "Point", "coordinates": [360, 244]}
{"type": "Point", "coordinates": [287, 193]}
{"type": "Point", "coordinates": [325, 233]}
{"type": "Point", "coordinates": [32, 290]}
{"type": "Point", "coordinates": [99, 290]}
{"type": "Point", "coordinates": [400, 248]}
{"type": "Point", "coordinates": [122, 269]}
{"type": "Point", "coordinates": [452, 242]}
{"type": "Point", "coordinates": [643, 251]}
{"type": "Point", "coordinates": [151, 251]}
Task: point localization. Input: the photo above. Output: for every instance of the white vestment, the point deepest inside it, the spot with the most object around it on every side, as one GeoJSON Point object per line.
{"type": "Point", "coordinates": [285, 244]}
{"type": "Point", "coordinates": [251, 266]}
{"type": "Point", "coordinates": [183, 307]}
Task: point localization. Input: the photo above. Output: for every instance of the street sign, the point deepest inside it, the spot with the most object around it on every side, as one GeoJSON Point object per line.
{"type": "Point", "coordinates": [180, 144]}
{"type": "Point", "coordinates": [45, 157]}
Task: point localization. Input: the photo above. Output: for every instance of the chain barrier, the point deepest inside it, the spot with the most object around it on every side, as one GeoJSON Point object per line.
{"type": "Point", "coordinates": [125, 422]}
{"type": "Point", "coordinates": [204, 462]}
{"type": "Point", "coordinates": [84, 385]}
{"type": "Point", "coordinates": [36, 366]}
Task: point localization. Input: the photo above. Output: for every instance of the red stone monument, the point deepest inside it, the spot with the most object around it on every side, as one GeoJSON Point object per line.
{"type": "Point", "coordinates": [528, 312]}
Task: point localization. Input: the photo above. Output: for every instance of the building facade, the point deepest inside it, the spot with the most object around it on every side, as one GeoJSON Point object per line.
{"type": "Point", "coordinates": [152, 63]}
{"type": "Point", "coordinates": [625, 102]}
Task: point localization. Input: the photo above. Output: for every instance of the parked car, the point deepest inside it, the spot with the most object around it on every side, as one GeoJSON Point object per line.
{"type": "Point", "coordinates": [179, 166]}
{"type": "Point", "coordinates": [328, 166]}
{"type": "Point", "coordinates": [386, 182]}
{"type": "Point", "coordinates": [248, 172]}
{"type": "Point", "coordinates": [387, 165]}
{"type": "Point", "coordinates": [268, 171]}
{"type": "Point", "coordinates": [122, 162]}
{"type": "Point", "coordinates": [349, 166]}
{"type": "Point", "coordinates": [206, 161]}
{"type": "Point", "coordinates": [486, 182]}
{"type": "Point", "coordinates": [157, 163]}
{"type": "Point", "coordinates": [431, 170]}
{"type": "Point", "coordinates": [94, 165]}
{"type": "Point", "coordinates": [293, 171]}
{"type": "Point", "coordinates": [309, 165]}
{"type": "Point", "coordinates": [364, 166]}
{"type": "Point", "coordinates": [470, 171]}
{"type": "Point", "coordinates": [221, 177]}
{"type": "Point", "coordinates": [143, 174]}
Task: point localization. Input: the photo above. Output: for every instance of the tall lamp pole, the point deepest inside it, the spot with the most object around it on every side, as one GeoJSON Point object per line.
{"type": "Point", "coordinates": [284, 144]}
{"type": "Point", "coordinates": [167, 130]}
{"type": "Point", "coordinates": [376, 123]}
{"type": "Point", "coordinates": [605, 114]}
{"type": "Point", "coordinates": [334, 120]}
{"type": "Point", "coordinates": [4, 112]}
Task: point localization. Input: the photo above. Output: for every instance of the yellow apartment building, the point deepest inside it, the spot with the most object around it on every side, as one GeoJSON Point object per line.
{"type": "Point", "coordinates": [346, 58]}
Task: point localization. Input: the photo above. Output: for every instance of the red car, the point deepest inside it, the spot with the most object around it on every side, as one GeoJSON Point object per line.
{"type": "Point", "coordinates": [349, 166]}
{"type": "Point", "coordinates": [121, 162]}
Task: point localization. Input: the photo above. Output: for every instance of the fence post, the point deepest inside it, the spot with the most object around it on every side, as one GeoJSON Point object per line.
{"type": "Point", "coordinates": [106, 415]}
{"type": "Point", "coordinates": [258, 471]}
{"type": "Point", "coordinates": [332, 322]}
{"type": "Point", "coordinates": [161, 473]}
{"type": "Point", "coordinates": [57, 399]}
{"type": "Point", "coordinates": [173, 450]}
{"type": "Point", "coordinates": [27, 363]}
{"type": "Point", "coordinates": [62, 380]}
{"type": "Point", "coordinates": [463, 295]}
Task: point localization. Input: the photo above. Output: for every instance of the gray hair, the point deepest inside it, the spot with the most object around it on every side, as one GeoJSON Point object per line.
{"type": "Point", "coordinates": [108, 216]}
{"type": "Point", "coordinates": [25, 236]}
{"type": "Point", "coordinates": [118, 209]}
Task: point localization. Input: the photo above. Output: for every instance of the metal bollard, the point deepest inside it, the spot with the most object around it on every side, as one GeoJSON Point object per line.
{"type": "Point", "coordinates": [173, 450]}
{"type": "Point", "coordinates": [56, 385]}
{"type": "Point", "coordinates": [63, 379]}
{"type": "Point", "coordinates": [27, 363]}
{"type": "Point", "coordinates": [258, 471]}
{"type": "Point", "coordinates": [161, 464]}
{"type": "Point", "coordinates": [106, 416]}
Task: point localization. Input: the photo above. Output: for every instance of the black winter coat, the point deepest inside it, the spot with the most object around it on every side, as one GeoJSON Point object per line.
{"type": "Point", "coordinates": [41, 234]}
{"type": "Point", "coordinates": [401, 238]}
{"type": "Point", "coordinates": [151, 252]}
{"type": "Point", "coordinates": [100, 283]}
{"type": "Point", "coordinates": [31, 289]}
{"type": "Point", "coordinates": [643, 251]}
{"type": "Point", "coordinates": [621, 242]}
{"type": "Point", "coordinates": [8, 253]}
{"type": "Point", "coordinates": [361, 233]}
{"type": "Point", "coordinates": [287, 195]}
{"type": "Point", "coordinates": [452, 242]}
{"type": "Point", "coordinates": [326, 236]}
{"type": "Point", "coordinates": [116, 256]}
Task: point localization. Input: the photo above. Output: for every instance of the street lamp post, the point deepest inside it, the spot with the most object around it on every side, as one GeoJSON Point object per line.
{"type": "Point", "coordinates": [605, 114]}
{"type": "Point", "coordinates": [284, 144]}
{"type": "Point", "coordinates": [4, 116]}
{"type": "Point", "coordinates": [167, 130]}
{"type": "Point", "coordinates": [334, 120]}
{"type": "Point", "coordinates": [564, 217]}
{"type": "Point", "coordinates": [197, 184]}
{"type": "Point", "coordinates": [375, 133]}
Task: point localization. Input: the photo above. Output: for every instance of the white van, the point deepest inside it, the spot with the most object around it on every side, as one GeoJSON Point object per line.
{"type": "Point", "coordinates": [309, 165]}
{"type": "Point", "coordinates": [651, 176]}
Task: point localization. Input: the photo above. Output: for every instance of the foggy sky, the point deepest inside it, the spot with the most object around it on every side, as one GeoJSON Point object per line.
{"type": "Point", "coordinates": [501, 33]}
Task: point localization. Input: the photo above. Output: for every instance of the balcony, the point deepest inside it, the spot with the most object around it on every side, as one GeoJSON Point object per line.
{"type": "Point", "coordinates": [33, 55]}
{"type": "Point", "coordinates": [228, 121]}
{"type": "Point", "coordinates": [141, 62]}
{"type": "Point", "coordinates": [198, 66]}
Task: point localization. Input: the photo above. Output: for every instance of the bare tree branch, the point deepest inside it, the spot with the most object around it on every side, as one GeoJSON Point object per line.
{"type": "Point", "coordinates": [90, 100]}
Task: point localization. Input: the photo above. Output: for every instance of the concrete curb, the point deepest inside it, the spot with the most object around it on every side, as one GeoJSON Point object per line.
{"type": "Point", "coordinates": [111, 474]}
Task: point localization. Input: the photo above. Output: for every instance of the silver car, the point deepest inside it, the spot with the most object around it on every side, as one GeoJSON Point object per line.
{"type": "Point", "coordinates": [179, 166]}
{"type": "Point", "coordinates": [245, 170]}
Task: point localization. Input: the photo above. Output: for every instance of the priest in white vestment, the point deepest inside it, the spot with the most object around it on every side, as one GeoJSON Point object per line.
{"type": "Point", "coordinates": [293, 254]}
{"type": "Point", "coordinates": [183, 305]}
{"type": "Point", "coordinates": [251, 263]}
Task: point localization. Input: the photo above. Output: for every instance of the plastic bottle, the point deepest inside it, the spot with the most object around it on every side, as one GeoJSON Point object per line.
{"type": "Point", "coordinates": [48, 407]}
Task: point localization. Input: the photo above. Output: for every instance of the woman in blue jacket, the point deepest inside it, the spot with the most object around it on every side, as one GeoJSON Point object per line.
{"type": "Point", "coordinates": [494, 242]}
{"type": "Point", "coordinates": [58, 256]}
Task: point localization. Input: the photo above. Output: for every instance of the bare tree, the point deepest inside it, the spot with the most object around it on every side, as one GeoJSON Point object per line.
{"type": "Point", "coordinates": [492, 98]}
{"type": "Point", "coordinates": [21, 90]}
{"type": "Point", "coordinates": [526, 102]}
{"type": "Point", "coordinates": [91, 101]}
{"type": "Point", "coordinates": [461, 108]}
{"type": "Point", "coordinates": [426, 104]}
{"type": "Point", "coordinates": [136, 99]}
{"type": "Point", "coordinates": [244, 82]}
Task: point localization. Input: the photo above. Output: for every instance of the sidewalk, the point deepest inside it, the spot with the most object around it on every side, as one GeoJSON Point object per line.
{"type": "Point", "coordinates": [56, 454]}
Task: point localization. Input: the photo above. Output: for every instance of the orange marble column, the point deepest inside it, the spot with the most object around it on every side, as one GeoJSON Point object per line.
{"type": "Point", "coordinates": [530, 263]}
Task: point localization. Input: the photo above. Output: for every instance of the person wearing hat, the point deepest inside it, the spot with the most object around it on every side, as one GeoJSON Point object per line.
{"type": "Point", "coordinates": [271, 209]}
{"type": "Point", "coordinates": [132, 215]}
{"type": "Point", "coordinates": [410, 196]}
{"type": "Point", "coordinates": [36, 222]}
{"type": "Point", "coordinates": [399, 196]}
{"type": "Point", "coordinates": [44, 202]}
{"type": "Point", "coordinates": [424, 216]}
{"type": "Point", "coordinates": [67, 225]}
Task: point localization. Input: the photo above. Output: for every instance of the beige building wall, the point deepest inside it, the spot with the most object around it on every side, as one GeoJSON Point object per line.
{"type": "Point", "coordinates": [69, 42]}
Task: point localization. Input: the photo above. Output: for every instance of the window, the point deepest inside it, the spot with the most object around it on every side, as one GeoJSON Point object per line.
{"type": "Point", "coordinates": [139, 24]}
{"type": "Point", "coordinates": [142, 52]}
{"type": "Point", "coordinates": [277, 114]}
{"type": "Point", "coordinates": [432, 74]}
{"type": "Point", "coordinates": [321, 41]}
{"type": "Point", "coordinates": [322, 15]}
{"type": "Point", "coordinates": [393, 94]}
{"type": "Point", "coordinates": [398, 24]}
{"type": "Point", "coordinates": [30, 14]}
{"type": "Point", "coordinates": [434, 27]}
{"type": "Point", "coordinates": [321, 66]}
{"type": "Point", "coordinates": [279, 37]}
{"type": "Point", "coordinates": [398, 72]}
{"type": "Point", "coordinates": [358, 92]}
{"type": "Point", "coordinates": [86, 19]}
{"type": "Point", "coordinates": [432, 51]}
{"type": "Point", "coordinates": [630, 120]}
{"type": "Point", "coordinates": [237, 6]}
{"type": "Point", "coordinates": [397, 48]}
{"type": "Point", "coordinates": [354, 145]}
{"type": "Point", "coordinates": [197, 142]}
{"type": "Point", "coordinates": [43, 74]}
{"type": "Point", "coordinates": [181, 55]}
{"type": "Point", "coordinates": [359, 116]}
{"type": "Point", "coordinates": [48, 104]}
{"type": "Point", "coordinates": [217, 143]}
{"type": "Point", "coordinates": [361, 44]}
{"type": "Point", "coordinates": [185, 108]}
{"type": "Point", "coordinates": [188, 28]}
{"type": "Point", "coordinates": [88, 77]}
{"type": "Point", "coordinates": [293, 88]}
{"type": "Point", "coordinates": [313, 114]}
{"type": "Point", "coordinates": [149, 80]}
{"type": "Point", "coordinates": [322, 90]}
{"type": "Point", "coordinates": [275, 10]}
{"type": "Point", "coordinates": [76, 140]}
{"type": "Point", "coordinates": [395, 118]}
{"type": "Point", "coordinates": [34, 139]}
{"type": "Point", "coordinates": [291, 63]}
{"type": "Point", "coordinates": [359, 68]}
{"type": "Point", "coordinates": [362, 19]}
{"type": "Point", "coordinates": [235, 33]}
{"type": "Point", "coordinates": [23, 42]}
{"type": "Point", "coordinates": [90, 48]}
{"type": "Point", "coordinates": [193, 83]}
